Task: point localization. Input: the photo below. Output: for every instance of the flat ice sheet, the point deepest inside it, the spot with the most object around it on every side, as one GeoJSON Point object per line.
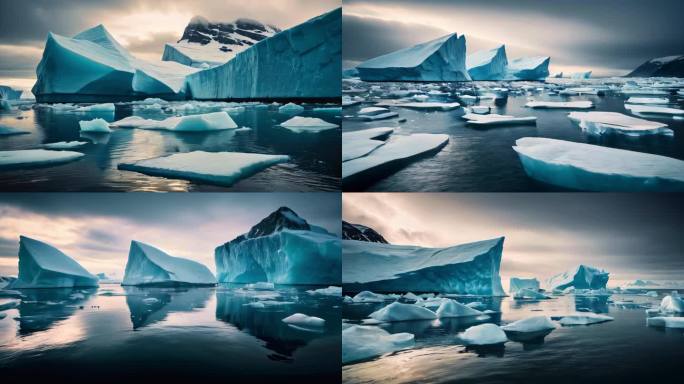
{"type": "Point", "coordinates": [299, 124]}
{"type": "Point", "coordinates": [560, 104]}
{"type": "Point", "coordinates": [359, 143]}
{"type": "Point", "coordinates": [36, 158]}
{"type": "Point", "coordinates": [495, 119]}
{"type": "Point", "coordinates": [613, 122]}
{"type": "Point", "coordinates": [651, 109]}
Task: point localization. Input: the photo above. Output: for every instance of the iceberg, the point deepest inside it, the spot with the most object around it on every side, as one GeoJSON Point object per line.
{"type": "Point", "coordinates": [583, 318]}
{"type": "Point", "coordinates": [44, 266]}
{"type": "Point", "coordinates": [672, 303]}
{"type": "Point", "coordinates": [471, 268]}
{"type": "Point", "coordinates": [654, 110]}
{"type": "Point", "coordinates": [357, 144]}
{"type": "Point", "coordinates": [529, 294]}
{"type": "Point", "coordinates": [668, 66]}
{"type": "Point", "coordinates": [300, 124]}
{"type": "Point", "coordinates": [580, 75]}
{"type": "Point", "coordinates": [330, 291]}
{"type": "Point", "coordinates": [36, 158]}
{"type": "Point", "coordinates": [442, 59]}
{"type": "Point", "coordinates": [517, 284]}
{"type": "Point", "coordinates": [488, 65]}
{"type": "Point", "coordinates": [483, 334]}
{"type": "Point", "coordinates": [106, 107]}
{"type": "Point", "coordinates": [581, 277]}
{"type": "Point", "coordinates": [496, 119]}
{"type": "Point", "coordinates": [301, 62]}
{"type": "Point", "coordinates": [369, 297]}
{"type": "Point", "coordinates": [452, 308]}
{"type": "Point", "coordinates": [95, 125]}
{"type": "Point", "coordinates": [560, 104]}
{"type": "Point", "coordinates": [361, 342]}
{"type": "Point", "coordinates": [283, 249]}
{"type": "Point", "coordinates": [595, 168]}
{"type": "Point", "coordinates": [667, 322]}
{"type": "Point", "coordinates": [150, 266]}
{"type": "Point", "coordinates": [395, 150]}
{"type": "Point", "coordinates": [402, 312]}
{"type": "Point", "coordinates": [290, 108]}
{"type": "Point", "coordinates": [530, 324]}
{"type": "Point", "coordinates": [528, 68]}
{"type": "Point", "coordinates": [215, 121]}
{"type": "Point", "coordinates": [612, 122]}
{"type": "Point", "coordinates": [304, 321]}
{"type": "Point", "coordinates": [7, 93]}
{"type": "Point", "coordinates": [65, 145]}
{"type": "Point", "coordinates": [219, 168]}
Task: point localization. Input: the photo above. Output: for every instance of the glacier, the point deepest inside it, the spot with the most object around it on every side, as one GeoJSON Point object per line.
{"type": "Point", "coordinates": [596, 168]}
{"type": "Point", "coordinates": [580, 277]}
{"type": "Point", "coordinates": [283, 249]}
{"type": "Point", "coordinates": [304, 61]}
{"type": "Point", "coordinates": [471, 268]}
{"type": "Point", "coordinates": [517, 284]}
{"type": "Point", "coordinates": [44, 266]}
{"type": "Point", "coordinates": [483, 334]}
{"type": "Point", "coordinates": [361, 342]}
{"type": "Point", "coordinates": [488, 65]}
{"type": "Point", "coordinates": [528, 68]}
{"type": "Point", "coordinates": [442, 59]}
{"type": "Point", "coordinates": [150, 266]}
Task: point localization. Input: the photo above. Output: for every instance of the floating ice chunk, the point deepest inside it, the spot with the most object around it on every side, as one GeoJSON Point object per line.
{"type": "Point", "coordinates": [643, 91]}
{"type": "Point", "coordinates": [107, 107]}
{"type": "Point", "coordinates": [36, 158]}
{"type": "Point", "coordinates": [647, 100]}
{"type": "Point", "coordinates": [651, 294]}
{"type": "Point", "coordinates": [411, 296]}
{"type": "Point", "coordinates": [402, 312]}
{"type": "Point", "coordinates": [8, 131]}
{"type": "Point", "coordinates": [583, 318]}
{"type": "Point", "coordinates": [560, 104]}
{"type": "Point", "coordinates": [330, 291]}
{"type": "Point", "coordinates": [360, 143]}
{"type": "Point", "coordinates": [452, 308]}
{"type": "Point", "coordinates": [483, 334]}
{"type": "Point", "coordinates": [613, 122]}
{"type": "Point", "coordinates": [44, 266]}
{"type": "Point", "coordinates": [95, 125]}
{"type": "Point", "coordinates": [667, 322]}
{"type": "Point", "coordinates": [148, 265]}
{"type": "Point", "coordinates": [488, 65]}
{"type": "Point", "coordinates": [347, 300]}
{"type": "Point", "coordinates": [300, 124]}
{"type": "Point", "coordinates": [517, 284]}
{"type": "Point", "coordinates": [221, 168]}
{"type": "Point", "coordinates": [379, 116]}
{"type": "Point", "coordinates": [369, 297]}
{"type": "Point", "coordinates": [261, 285]}
{"type": "Point", "coordinates": [291, 108]}
{"type": "Point", "coordinates": [372, 111]}
{"type": "Point", "coordinates": [362, 342]}
{"type": "Point", "coordinates": [496, 119]}
{"type": "Point", "coordinates": [65, 144]}
{"type": "Point", "coordinates": [649, 109]}
{"type": "Point", "coordinates": [529, 294]}
{"type": "Point", "coordinates": [672, 303]}
{"type": "Point", "coordinates": [304, 321]}
{"type": "Point", "coordinates": [214, 121]}
{"type": "Point", "coordinates": [433, 106]}
{"type": "Point", "coordinates": [397, 149]}
{"type": "Point", "coordinates": [596, 168]}
{"type": "Point", "coordinates": [530, 324]}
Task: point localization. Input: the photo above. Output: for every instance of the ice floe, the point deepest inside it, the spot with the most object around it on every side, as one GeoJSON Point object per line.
{"type": "Point", "coordinates": [654, 110]}
{"type": "Point", "coordinates": [402, 312]}
{"type": "Point", "coordinates": [495, 119]}
{"type": "Point", "coordinates": [65, 144]}
{"type": "Point", "coordinates": [613, 122]}
{"type": "Point", "coordinates": [361, 342]}
{"type": "Point", "coordinates": [560, 104]}
{"type": "Point", "coordinates": [36, 158]}
{"type": "Point", "coordinates": [483, 334]}
{"type": "Point", "coordinates": [214, 121]}
{"type": "Point", "coordinates": [356, 144]}
{"type": "Point", "coordinates": [582, 318]}
{"type": "Point", "coordinates": [330, 291]}
{"type": "Point", "coordinates": [304, 321]}
{"type": "Point", "coordinates": [95, 125]}
{"type": "Point", "coordinates": [300, 124]}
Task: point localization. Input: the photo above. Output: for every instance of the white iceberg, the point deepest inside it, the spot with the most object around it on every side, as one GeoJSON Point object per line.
{"type": "Point", "coordinates": [220, 168]}
{"type": "Point", "coordinates": [299, 124]}
{"type": "Point", "coordinates": [150, 266]}
{"type": "Point", "coordinates": [36, 158]}
{"type": "Point", "coordinates": [402, 312]}
{"type": "Point", "coordinates": [530, 324]}
{"type": "Point", "coordinates": [304, 321]}
{"type": "Point", "coordinates": [612, 122]}
{"type": "Point", "coordinates": [595, 168]}
{"type": "Point", "coordinates": [44, 266]}
{"type": "Point", "coordinates": [330, 291]}
{"type": "Point", "coordinates": [452, 308]}
{"type": "Point", "coordinates": [529, 294]}
{"type": "Point", "coordinates": [290, 108]}
{"type": "Point", "coordinates": [528, 68]}
{"type": "Point", "coordinates": [667, 322]}
{"type": "Point", "coordinates": [654, 110]}
{"type": "Point", "coordinates": [106, 107]}
{"type": "Point", "coordinates": [580, 277]}
{"type": "Point", "coordinates": [214, 121]}
{"type": "Point", "coordinates": [580, 75]}
{"type": "Point", "coordinates": [369, 297]}
{"type": "Point", "coordinates": [560, 104]}
{"type": "Point", "coordinates": [672, 303]}
{"type": "Point", "coordinates": [65, 145]}
{"type": "Point", "coordinates": [483, 334]}
{"type": "Point", "coordinates": [362, 342]}
{"type": "Point", "coordinates": [583, 318]}
{"type": "Point", "coordinates": [488, 65]}
{"type": "Point", "coordinates": [261, 285]}
{"type": "Point", "coordinates": [357, 144]}
{"type": "Point", "coordinates": [496, 119]}
{"type": "Point", "coordinates": [517, 284]}
{"type": "Point", "coordinates": [95, 125]}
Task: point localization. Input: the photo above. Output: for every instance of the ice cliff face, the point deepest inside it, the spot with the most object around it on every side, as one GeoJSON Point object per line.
{"type": "Point", "coordinates": [442, 59]}
{"type": "Point", "coordinates": [471, 268]}
{"type": "Point", "coordinates": [283, 249]}
{"type": "Point", "coordinates": [488, 65]}
{"type": "Point", "coordinates": [582, 277]}
{"type": "Point", "coordinates": [361, 233]}
{"type": "Point", "coordinates": [301, 62]}
{"type": "Point", "coordinates": [208, 44]}
{"type": "Point", "coordinates": [528, 68]}
{"type": "Point", "coordinates": [44, 266]}
{"type": "Point", "coordinates": [669, 66]}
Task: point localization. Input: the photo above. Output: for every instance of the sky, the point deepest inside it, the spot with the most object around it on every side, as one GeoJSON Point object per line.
{"type": "Point", "coordinates": [142, 26]}
{"type": "Point", "coordinates": [96, 228]}
{"type": "Point", "coordinates": [608, 37]}
{"type": "Point", "coordinates": [632, 236]}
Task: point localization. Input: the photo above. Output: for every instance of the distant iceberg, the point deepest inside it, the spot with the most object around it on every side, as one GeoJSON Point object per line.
{"type": "Point", "coordinates": [517, 284]}
{"type": "Point", "coordinates": [581, 277]}
{"type": "Point", "coordinates": [7, 93]}
{"type": "Point", "coordinates": [488, 65]}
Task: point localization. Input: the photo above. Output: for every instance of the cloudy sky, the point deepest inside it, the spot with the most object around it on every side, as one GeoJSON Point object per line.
{"type": "Point", "coordinates": [143, 26]}
{"type": "Point", "coordinates": [630, 235]}
{"type": "Point", "coordinates": [96, 228]}
{"type": "Point", "coordinates": [609, 37]}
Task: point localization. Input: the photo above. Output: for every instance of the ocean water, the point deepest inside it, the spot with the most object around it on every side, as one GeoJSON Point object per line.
{"type": "Point", "coordinates": [624, 350]}
{"type": "Point", "coordinates": [479, 159]}
{"type": "Point", "coordinates": [111, 333]}
{"type": "Point", "coordinates": [314, 166]}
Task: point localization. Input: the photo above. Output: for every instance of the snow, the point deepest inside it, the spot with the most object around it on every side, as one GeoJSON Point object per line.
{"type": "Point", "coordinates": [95, 125]}
{"type": "Point", "coordinates": [368, 297]}
{"type": "Point", "coordinates": [402, 312]}
{"type": "Point", "coordinates": [483, 334]}
{"type": "Point", "coordinates": [107, 107]}
{"type": "Point", "coordinates": [360, 143]}
{"type": "Point", "coordinates": [647, 100]}
{"type": "Point", "coordinates": [528, 68]}
{"type": "Point", "coordinates": [529, 294]}
{"type": "Point", "coordinates": [635, 108]}
{"type": "Point", "coordinates": [452, 308]}
{"type": "Point", "coordinates": [442, 59]}
{"type": "Point", "coordinates": [471, 268]}
{"type": "Point", "coordinates": [330, 291]}
{"type": "Point", "coordinates": [214, 121]}
{"type": "Point", "coordinates": [301, 62]}
{"type": "Point", "coordinates": [613, 122]}
{"type": "Point", "coordinates": [398, 148]}
{"type": "Point", "coordinates": [362, 342]}
{"type": "Point", "coordinates": [595, 168]}
{"type": "Point", "coordinates": [148, 265]}
{"type": "Point", "coordinates": [560, 104]}
{"type": "Point", "coordinates": [496, 119]}
{"type": "Point", "coordinates": [65, 145]}
{"type": "Point", "coordinates": [304, 321]}
{"type": "Point", "coordinates": [583, 318]}
{"type": "Point", "coordinates": [44, 266]}
{"type": "Point", "coordinates": [290, 108]}
{"type": "Point", "coordinates": [36, 158]}
{"type": "Point", "coordinates": [667, 322]}
{"type": "Point", "coordinates": [300, 124]}
{"type": "Point", "coordinates": [530, 324]}
{"type": "Point", "coordinates": [517, 284]}
{"type": "Point", "coordinates": [488, 65]}
{"type": "Point", "coordinates": [672, 303]}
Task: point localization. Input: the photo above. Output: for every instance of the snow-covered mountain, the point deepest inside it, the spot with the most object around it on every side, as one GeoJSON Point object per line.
{"type": "Point", "coordinates": [361, 232]}
{"type": "Point", "coordinates": [207, 44]}
{"type": "Point", "coordinates": [669, 66]}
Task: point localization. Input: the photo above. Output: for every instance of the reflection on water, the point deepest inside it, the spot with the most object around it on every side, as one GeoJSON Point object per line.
{"type": "Point", "coordinates": [122, 333]}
